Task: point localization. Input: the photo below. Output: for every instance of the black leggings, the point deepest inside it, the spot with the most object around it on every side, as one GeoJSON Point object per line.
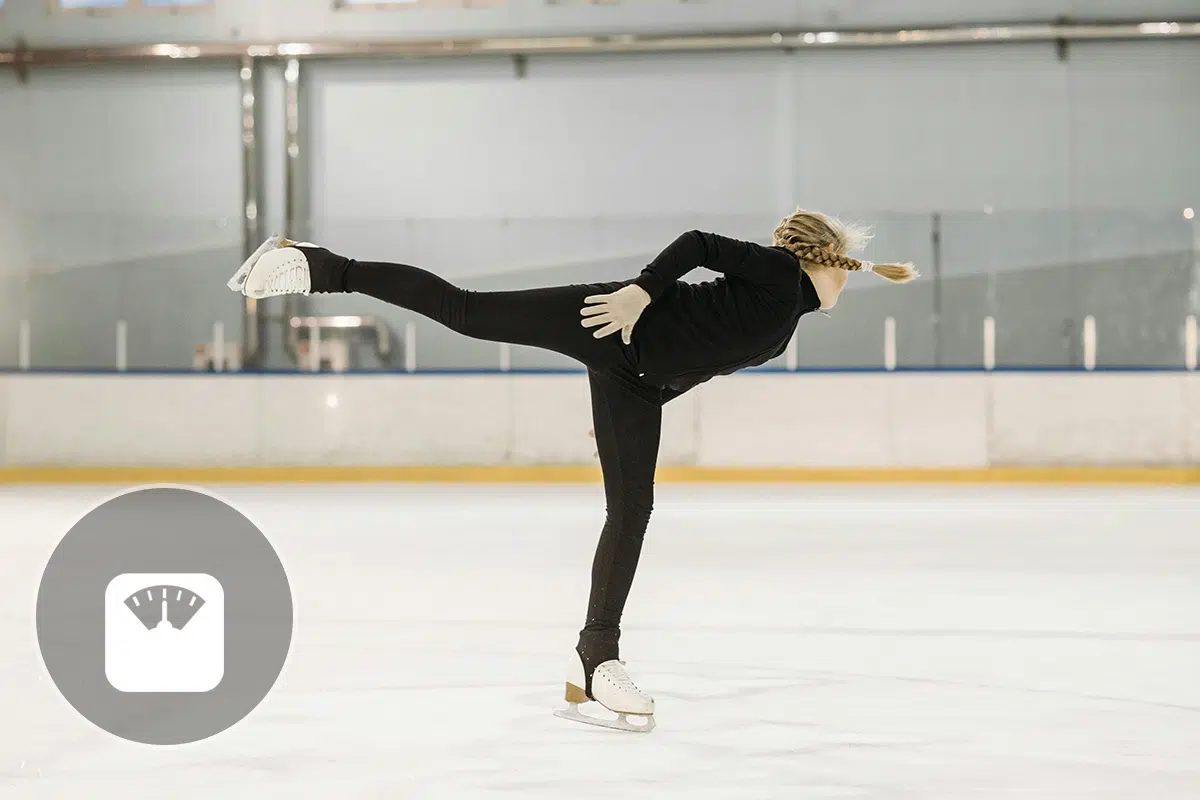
{"type": "Point", "coordinates": [626, 413]}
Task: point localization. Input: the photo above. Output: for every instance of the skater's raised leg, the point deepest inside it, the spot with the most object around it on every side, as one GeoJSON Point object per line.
{"type": "Point", "coordinates": [548, 318]}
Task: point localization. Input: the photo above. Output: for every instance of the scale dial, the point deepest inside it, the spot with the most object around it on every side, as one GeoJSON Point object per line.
{"type": "Point", "coordinates": [162, 606]}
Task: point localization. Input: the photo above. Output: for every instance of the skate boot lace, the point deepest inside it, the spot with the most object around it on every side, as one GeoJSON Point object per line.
{"type": "Point", "coordinates": [289, 279]}
{"type": "Point", "coordinates": [620, 678]}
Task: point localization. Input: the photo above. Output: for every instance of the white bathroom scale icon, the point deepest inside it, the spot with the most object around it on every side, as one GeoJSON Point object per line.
{"type": "Point", "coordinates": [164, 632]}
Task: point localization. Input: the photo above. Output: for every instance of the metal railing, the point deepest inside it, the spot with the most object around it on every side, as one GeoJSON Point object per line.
{"type": "Point", "coordinates": [24, 58]}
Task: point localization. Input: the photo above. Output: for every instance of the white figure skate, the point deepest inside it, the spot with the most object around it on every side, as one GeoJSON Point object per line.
{"type": "Point", "coordinates": [276, 268]}
{"type": "Point", "coordinates": [612, 689]}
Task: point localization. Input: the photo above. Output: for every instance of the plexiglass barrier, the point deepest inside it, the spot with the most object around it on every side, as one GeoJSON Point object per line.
{"type": "Point", "coordinates": [1046, 289]}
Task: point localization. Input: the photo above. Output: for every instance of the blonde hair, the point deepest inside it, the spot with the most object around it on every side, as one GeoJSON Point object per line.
{"type": "Point", "coordinates": [827, 242]}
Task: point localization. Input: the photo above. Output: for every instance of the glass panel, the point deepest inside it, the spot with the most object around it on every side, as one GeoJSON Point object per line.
{"type": "Point", "coordinates": [1135, 275]}
{"type": "Point", "coordinates": [75, 277]}
{"type": "Point", "coordinates": [1039, 275]}
{"type": "Point", "coordinates": [68, 5]}
{"type": "Point", "coordinates": [853, 333]}
{"type": "Point", "coordinates": [73, 5]}
{"type": "Point", "coordinates": [417, 3]}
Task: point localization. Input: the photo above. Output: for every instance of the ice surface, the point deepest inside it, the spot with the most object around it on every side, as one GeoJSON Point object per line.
{"type": "Point", "coordinates": [801, 642]}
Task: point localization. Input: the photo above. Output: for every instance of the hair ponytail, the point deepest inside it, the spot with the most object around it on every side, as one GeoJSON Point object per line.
{"type": "Point", "coordinates": [814, 254]}
{"type": "Point", "coordinates": [896, 273]}
{"type": "Point", "coordinates": [818, 239]}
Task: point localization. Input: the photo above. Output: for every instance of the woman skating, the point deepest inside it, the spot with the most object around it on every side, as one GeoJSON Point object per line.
{"type": "Point", "coordinates": [673, 336]}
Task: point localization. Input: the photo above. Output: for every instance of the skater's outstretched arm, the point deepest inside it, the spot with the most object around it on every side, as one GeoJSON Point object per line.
{"type": "Point", "coordinates": [621, 310]}
{"type": "Point", "coordinates": [720, 254]}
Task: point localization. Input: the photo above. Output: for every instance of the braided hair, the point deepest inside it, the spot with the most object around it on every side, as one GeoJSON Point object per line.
{"type": "Point", "coordinates": [824, 241]}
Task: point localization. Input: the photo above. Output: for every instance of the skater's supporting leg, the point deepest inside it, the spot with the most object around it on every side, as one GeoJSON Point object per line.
{"type": "Point", "coordinates": [628, 423]}
{"type": "Point", "coordinates": [546, 318]}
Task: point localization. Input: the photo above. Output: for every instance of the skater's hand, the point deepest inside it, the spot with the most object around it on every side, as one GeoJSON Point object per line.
{"type": "Point", "coordinates": [618, 311]}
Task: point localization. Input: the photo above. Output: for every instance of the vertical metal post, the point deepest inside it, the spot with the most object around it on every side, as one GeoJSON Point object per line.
{"type": "Point", "coordinates": [989, 343]}
{"type": "Point", "coordinates": [1089, 343]}
{"type": "Point", "coordinates": [1191, 336]}
{"type": "Point", "coordinates": [1189, 214]}
{"type": "Point", "coordinates": [936, 265]}
{"type": "Point", "coordinates": [122, 345]}
{"type": "Point", "coordinates": [218, 346]}
{"type": "Point", "coordinates": [24, 346]}
{"type": "Point", "coordinates": [410, 347]}
{"type": "Point", "coordinates": [314, 346]}
{"type": "Point", "coordinates": [889, 344]}
{"type": "Point", "coordinates": [792, 357]}
{"type": "Point", "coordinates": [253, 325]}
{"type": "Point", "coordinates": [291, 172]}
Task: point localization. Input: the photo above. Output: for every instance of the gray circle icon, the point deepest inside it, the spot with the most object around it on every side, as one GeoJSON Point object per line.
{"type": "Point", "coordinates": [164, 616]}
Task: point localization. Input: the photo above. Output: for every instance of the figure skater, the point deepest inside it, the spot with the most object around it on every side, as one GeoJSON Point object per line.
{"type": "Point", "coordinates": [674, 335]}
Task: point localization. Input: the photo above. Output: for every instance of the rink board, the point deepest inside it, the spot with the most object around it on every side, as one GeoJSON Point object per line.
{"type": "Point", "coordinates": [1122, 427]}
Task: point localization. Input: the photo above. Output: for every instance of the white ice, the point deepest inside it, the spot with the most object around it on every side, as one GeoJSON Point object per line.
{"type": "Point", "coordinates": [801, 642]}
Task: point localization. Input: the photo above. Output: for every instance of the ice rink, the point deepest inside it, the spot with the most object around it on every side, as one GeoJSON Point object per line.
{"type": "Point", "coordinates": [801, 642]}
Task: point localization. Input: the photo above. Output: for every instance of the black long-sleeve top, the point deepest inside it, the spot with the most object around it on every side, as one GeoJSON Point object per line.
{"type": "Point", "coordinates": [691, 333]}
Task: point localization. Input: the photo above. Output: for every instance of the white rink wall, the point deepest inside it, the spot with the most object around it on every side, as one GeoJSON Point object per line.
{"type": "Point", "coordinates": [878, 420]}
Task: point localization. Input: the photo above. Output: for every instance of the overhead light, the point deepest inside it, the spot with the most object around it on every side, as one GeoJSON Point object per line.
{"type": "Point", "coordinates": [1160, 28]}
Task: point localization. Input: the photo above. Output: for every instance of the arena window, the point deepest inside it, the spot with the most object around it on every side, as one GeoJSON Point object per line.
{"type": "Point", "coordinates": [88, 6]}
{"type": "Point", "coordinates": [382, 4]}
